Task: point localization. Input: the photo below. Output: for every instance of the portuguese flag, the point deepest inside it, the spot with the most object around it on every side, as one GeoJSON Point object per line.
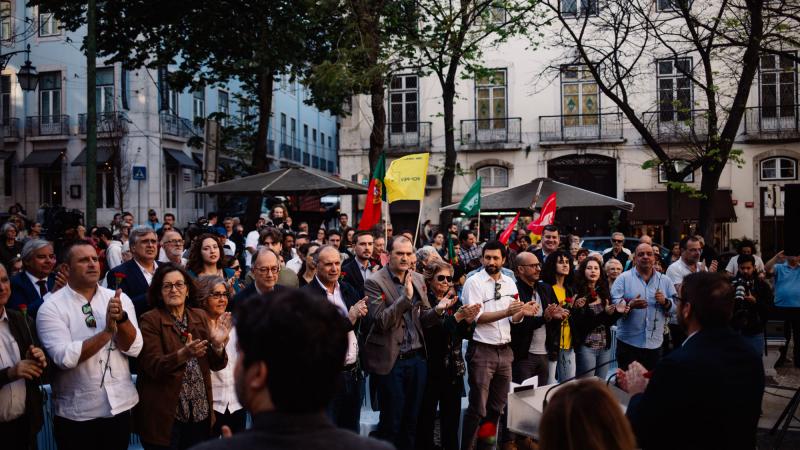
{"type": "Point", "coordinates": [375, 195]}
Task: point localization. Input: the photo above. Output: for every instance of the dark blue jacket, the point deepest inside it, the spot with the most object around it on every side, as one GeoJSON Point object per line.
{"type": "Point", "coordinates": [23, 291]}
{"type": "Point", "coordinates": [133, 284]}
{"type": "Point", "coordinates": [705, 394]}
{"type": "Point", "coordinates": [247, 292]}
{"type": "Point", "coordinates": [352, 275]}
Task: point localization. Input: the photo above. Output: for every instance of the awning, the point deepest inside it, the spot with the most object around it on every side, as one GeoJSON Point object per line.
{"type": "Point", "coordinates": [651, 207]}
{"type": "Point", "coordinates": [5, 155]}
{"type": "Point", "coordinates": [41, 159]}
{"type": "Point", "coordinates": [288, 181]}
{"type": "Point", "coordinates": [178, 158]}
{"type": "Point", "coordinates": [103, 156]}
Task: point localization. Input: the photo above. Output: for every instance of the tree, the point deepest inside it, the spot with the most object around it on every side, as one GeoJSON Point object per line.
{"type": "Point", "coordinates": [112, 129]}
{"type": "Point", "coordinates": [251, 41]}
{"type": "Point", "coordinates": [448, 39]}
{"type": "Point", "coordinates": [711, 46]}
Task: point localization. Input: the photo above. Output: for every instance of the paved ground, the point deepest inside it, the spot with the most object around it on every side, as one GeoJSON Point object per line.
{"type": "Point", "coordinates": [775, 400]}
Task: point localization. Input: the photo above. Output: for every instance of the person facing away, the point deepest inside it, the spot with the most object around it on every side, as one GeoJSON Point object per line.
{"type": "Point", "coordinates": [714, 382]}
{"type": "Point", "coordinates": [292, 348]}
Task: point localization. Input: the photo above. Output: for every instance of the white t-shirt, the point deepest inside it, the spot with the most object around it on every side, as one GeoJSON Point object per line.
{"type": "Point", "coordinates": [733, 265]}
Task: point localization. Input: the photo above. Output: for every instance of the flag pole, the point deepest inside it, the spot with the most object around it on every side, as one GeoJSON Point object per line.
{"type": "Point", "coordinates": [419, 219]}
{"type": "Point", "coordinates": [478, 237]}
{"type": "Point", "coordinates": [386, 218]}
{"type": "Point", "coordinates": [536, 197]}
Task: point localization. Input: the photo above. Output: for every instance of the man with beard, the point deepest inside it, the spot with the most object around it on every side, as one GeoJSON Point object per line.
{"type": "Point", "coordinates": [172, 248]}
{"type": "Point", "coordinates": [688, 263]}
{"type": "Point", "coordinates": [489, 355]}
{"type": "Point", "coordinates": [714, 382]}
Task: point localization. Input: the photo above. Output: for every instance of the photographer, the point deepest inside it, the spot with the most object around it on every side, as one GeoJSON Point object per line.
{"type": "Point", "coordinates": [753, 301]}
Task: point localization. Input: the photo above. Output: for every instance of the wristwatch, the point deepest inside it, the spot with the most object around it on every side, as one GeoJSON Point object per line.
{"type": "Point", "coordinates": [124, 318]}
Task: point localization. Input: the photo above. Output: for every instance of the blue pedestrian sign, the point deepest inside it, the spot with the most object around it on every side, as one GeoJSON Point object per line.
{"type": "Point", "coordinates": [139, 173]}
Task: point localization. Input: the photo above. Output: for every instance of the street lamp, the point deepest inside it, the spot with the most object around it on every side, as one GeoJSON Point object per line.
{"type": "Point", "coordinates": [27, 76]}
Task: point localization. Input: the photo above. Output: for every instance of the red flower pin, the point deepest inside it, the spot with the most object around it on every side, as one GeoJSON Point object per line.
{"type": "Point", "coordinates": [119, 277]}
{"type": "Point", "coordinates": [516, 296]}
{"type": "Point", "coordinates": [23, 308]}
{"type": "Point", "coordinates": [487, 432]}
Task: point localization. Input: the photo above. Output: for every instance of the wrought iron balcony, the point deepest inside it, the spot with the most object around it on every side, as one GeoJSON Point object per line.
{"type": "Point", "coordinates": [677, 126]}
{"type": "Point", "coordinates": [491, 131]}
{"type": "Point", "coordinates": [10, 128]}
{"type": "Point", "coordinates": [107, 123]}
{"type": "Point", "coordinates": [173, 125]}
{"type": "Point", "coordinates": [580, 128]}
{"type": "Point", "coordinates": [777, 122]}
{"type": "Point", "coordinates": [47, 126]}
{"type": "Point", "coordinates": [408, 135]}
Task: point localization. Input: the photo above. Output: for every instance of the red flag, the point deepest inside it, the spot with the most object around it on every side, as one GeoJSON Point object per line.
{"type": "Point", "coordinates": [505, 235]}
{"type": "Point", "coordinates": [546, 217]}
{"type": "Point", "coordinates": [375, 193]}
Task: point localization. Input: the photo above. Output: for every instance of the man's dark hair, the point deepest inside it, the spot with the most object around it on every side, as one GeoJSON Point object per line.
{"type": "Point", "coordinates": [744, 243]}
{"type": "Point", "coordinates": [362, 233]}
{"type": "Point", "coordinates": [744, 259]}
{"type": "Point", "coordinates": [343, 215]}
{"type": "Point", "coordinates": [66, 253]}
{"type": "Point", "coordinates": [169, 215]}
{"type": "Point", "coordinates": [685, 241]}
{"type": "Point", "coordinates": [332, 232]}
{"type": "Point", "coordinates": [301, 340]}
{"type": "Point", "coordinates": [272, 232]}
{"type": "Point", "coordinates": [103, 232]}
{"type": "Point", "coordinates": [495, 245]}
{"type": "Point", "coordinates": [212, 216]}
{"type": "Point", "coordinates": [155, 294]}
{"type": "Point", "coordinates": [126, 213]}
{"type": "Point", "coordinates": [550, 228]}
{"type": "Point", "coordinates": [711, 297]}
{"type": "Point", "coordinates": [463, 235]}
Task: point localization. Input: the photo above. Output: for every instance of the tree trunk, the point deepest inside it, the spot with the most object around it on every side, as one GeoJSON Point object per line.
{"type": "Point", "coordinates": [378, 135]}
{"type": "Point", "coordinates": [260, 159]}
{"type": "Point", "coordinates": [672, 229]}
{"type": "Point", "coordinates": [449, 175]}
{"type": "Point", "coordinates": [708, 187]}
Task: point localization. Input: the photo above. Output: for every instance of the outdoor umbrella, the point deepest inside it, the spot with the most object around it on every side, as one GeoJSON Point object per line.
{"type": "Point", "coordinates": [289, 181]}
{"type": "Point", "coordinates": [520, 197]}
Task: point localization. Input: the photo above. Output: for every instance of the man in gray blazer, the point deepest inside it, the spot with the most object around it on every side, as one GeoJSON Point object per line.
{"type": "Point", "coordinates": [394, 349]}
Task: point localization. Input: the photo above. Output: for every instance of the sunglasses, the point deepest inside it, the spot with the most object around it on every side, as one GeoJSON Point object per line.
{"type": "Point", "coordinates": [441, 278]}
{"type": "Point", "coordinates": [90, 320]}
{"type": "Point", "coordinates": [497, 291]}
{"type": "Point", "coordinates": [617, 241]}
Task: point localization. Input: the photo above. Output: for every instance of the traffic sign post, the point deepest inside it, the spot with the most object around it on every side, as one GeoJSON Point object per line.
{"type": "Point", "coordinates": [139, 173]}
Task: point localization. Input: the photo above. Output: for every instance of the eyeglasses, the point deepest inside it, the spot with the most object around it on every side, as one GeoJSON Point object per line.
{"type": "Point", "coordinates": [535, 266]}
{"type": "Point", "coordinates": [90, 320]}
{"type": "Point", "coordinates": [264, 270]}
{"type": "Point", "coordinates": [441, 278]}
{"type": "Point", "coordinates": [617, 241]}
{"type": "Point", "coordinates": [174, 242]}
{"type": "Point", "coordinates": [218, 295]}
{"type": "Point", "coordinates": [178, 286]}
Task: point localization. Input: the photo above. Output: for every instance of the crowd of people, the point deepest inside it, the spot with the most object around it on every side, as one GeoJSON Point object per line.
{"type": "Point", "coordinates": [132, 326]}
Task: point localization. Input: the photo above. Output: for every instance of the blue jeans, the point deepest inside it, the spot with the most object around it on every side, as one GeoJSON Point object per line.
{"type": "Point", "coordinates": [400, 393]}
{"type": "Point", "coordinates": [586, 358]}
{"type": "Point", "coordinates": [757, 341]}
{"type": "Point", "coordinates": [345, 408]}
{"type": "Point", "coordinates": [565, 367]}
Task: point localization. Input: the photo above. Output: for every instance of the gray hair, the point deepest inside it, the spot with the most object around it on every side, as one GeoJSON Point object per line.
{"type": "Point", "coordinates": [205, 285]}
{"type": "Point", "coordinates": [425, 252]}
{"type": "Point", "coordinates": [315, 256]}
{"type": "Point", "coordinates": [7, 226]}
{"type": "Point", "coordinates": [139, 232]}
{"type": "Point", "coordinates": [31, 246]}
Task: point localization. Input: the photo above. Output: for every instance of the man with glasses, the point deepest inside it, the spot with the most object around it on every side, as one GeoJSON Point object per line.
{"type": "Point", "coordinates": [649, 295]}
{"type": "Point", "coordinates": [617, 250]}
{"type": "Point", "coordinates": [266, 266]}
{"type": "Point", "coordinates": [134, 276]}
{"type": "Point", "coordinates": [89, 332]}
{"type": "Point", "coordinates": [489, 355]}
{"type": "Point", "coordinates": [688, 263]}
{"type": "Point", "coordinates": [172, 248]}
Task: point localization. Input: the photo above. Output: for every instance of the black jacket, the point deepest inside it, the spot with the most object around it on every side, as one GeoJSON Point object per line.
{"type": "Point", "coordinates": [583, 321]}
{"type": "Point", "coordinates": [349, 296]}
{"type": "Point", "coordinates": [352, 275]}
{"type": "Point", "coordinates": [33, 395]}
{"type": "Point", "coordinates": [750, 318]}
{"type": "Point", "coordinates": [247, 292]}
{"type": "Point", "coordinates": [443, 344]}
{"type": "Point", "coordinates": [714, 384]}
{"type": "Point", "coordinates": [522, 333]}
{"type": "Point", "coordinates": [283, 431]}
{"type": "Point", "coordinates": [132, 283]}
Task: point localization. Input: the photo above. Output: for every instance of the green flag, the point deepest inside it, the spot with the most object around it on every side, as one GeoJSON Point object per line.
{"type": "Point", "coordinates": [471, 203]}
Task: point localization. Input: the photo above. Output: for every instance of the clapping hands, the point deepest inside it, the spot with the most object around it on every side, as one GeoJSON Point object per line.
{"type": "Point", "coordinates": [220, 330]}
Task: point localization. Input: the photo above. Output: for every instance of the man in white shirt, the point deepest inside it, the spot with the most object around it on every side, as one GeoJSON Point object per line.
{"type": "Point", "coordinates": [489, 355]}
{"type": "Point", "coordinates": [746, 247]}
{"type": "Point", "coordinates": [172, 248]}
{"type": "Point", "coordinates": [346, 406]}
{"type": "Point", "coordinates": [89, 332]}
{"type": "Point", "coordinates": [689, 262]}
{"type": "Point", "coordinates": [251, 241]}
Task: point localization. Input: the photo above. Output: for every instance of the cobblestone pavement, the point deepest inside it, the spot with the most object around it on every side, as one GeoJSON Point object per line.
{"type": "Point", "coordinates": [775, 400]}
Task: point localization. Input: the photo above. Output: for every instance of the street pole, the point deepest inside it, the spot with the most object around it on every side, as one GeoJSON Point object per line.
{"type": "Point", "coordinates": [91, 116]}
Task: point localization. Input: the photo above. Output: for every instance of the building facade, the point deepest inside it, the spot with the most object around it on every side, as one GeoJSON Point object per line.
{"type": "Point", "coordinates": [525, 121]}
{"type": "Point", "coordinates": [44, 131]}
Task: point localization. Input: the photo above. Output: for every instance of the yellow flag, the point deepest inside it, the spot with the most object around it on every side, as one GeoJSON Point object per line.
{"type": "Point", "coordinates": [405, 178]}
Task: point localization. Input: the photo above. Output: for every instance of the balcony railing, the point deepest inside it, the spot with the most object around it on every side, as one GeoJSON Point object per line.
{"type": "Point", "coordinates": [401, 135]}
{"type": "Point", "coordinates": [47, 126]}
{"type": "Point", "coordinates": [674, 126]}
{"type": "Point", "coordinates": [173, 125]}
{"type": "Point", "coordinates": [491, 131]}
{"type": "Point", "coordinates": [10, 128]}
{"type": "Point", "coordinates": [580, 127]}
{"type": "Point", "coordinates": [107, 123]}
{"type": "Point", "coordinates": [772, 122]}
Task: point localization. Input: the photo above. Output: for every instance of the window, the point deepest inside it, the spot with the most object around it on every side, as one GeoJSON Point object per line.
{"type": "Point", "coordinates": [48, 25]}
{"type": "Point", "coordinates": [582, 7]}
{"type": "Point", "coordinates": [105, 188]}
{"type": "Point", "coordinates": [679, 165]}
{"type": "Point", "coordinates": [314, 141]}
{"type": "Point", "coordinates": [670, 5]}
{"type": "Point", "coordinates": [490, 92]}
{"type": "Point", "coordinates": [104, 90]}
{"type": "Point", "coordinates": [199, 199]}
{"type": "Point", "coordinates": [223, 107]}
{"type": "Point", "coordinates": [171, 192]}
{"type": "Point", "coordinates": [285, 82]}
{"type": "Point", "coordinates": [674, 89]}
{"type": "Point", "coordinates": [50, 188]}
{"type": "Point", "coordinates": [322, 141]}
{"type": "Point", "coordinates": [294, 132]}
{"type": "Point", "coordinates": [493, 176]}
{"type": "Point", "coordinates": [403, 104]}
{"type": "Point", "coordinates": [50, 97]}
{"type": "Point", "coordinates": [199, 103]}
{"type": "Point", "coordinates": [580, 101]}
{"type": "Point", "coordinates": [330, 143]}
{"type": "Point", "coordinates": [283, 129]}
{"type": "Point", "coordinates": [5, 100]}
{"type": "Point", "coordinates": [779, 168]}
{"type": "Point", "coordinates": [778, 87]}
{"type": "Point", "coordinates": [6, 28]}
{"type": "Point", "coordinates": [305, 138]}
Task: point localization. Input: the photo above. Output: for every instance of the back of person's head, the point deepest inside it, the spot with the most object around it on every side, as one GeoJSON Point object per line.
{"type": "Point", "coordinates": [301, 341]}
{"type": "Point", "coordinates": [583, 415]}
{"type": "Point", "coordinates": [711, 296]}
